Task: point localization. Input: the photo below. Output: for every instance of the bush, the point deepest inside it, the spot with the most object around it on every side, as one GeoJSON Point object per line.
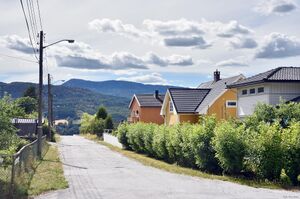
{"type": "Point", "coordinates": [85, 123]}
{"type": "Point", "coordinates": [266, 155]}
{"type": "Point", "coordinates": [159, 142]}
{"type": "Point", "coordinates": [173, 140]}
{"type": "Point", "coordinates": [97, 127]}
{"type": "Point", "coordinates": [122, 135]}
{"type": "Point", "coordinates": [201, 143]}
{"type": "Point", "coordinates": [291, 147]}
{"type": "Point", "coordinates": [135, 137]}
{"type": "Point", "coordinates": [229, 146]}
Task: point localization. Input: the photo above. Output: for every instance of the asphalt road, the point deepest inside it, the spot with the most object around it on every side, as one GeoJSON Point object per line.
{"type": "Point", "coordinates": [94, 171]}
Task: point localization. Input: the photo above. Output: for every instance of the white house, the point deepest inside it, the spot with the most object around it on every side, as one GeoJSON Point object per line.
{"type": "Point", "coordinates": [282, 83]}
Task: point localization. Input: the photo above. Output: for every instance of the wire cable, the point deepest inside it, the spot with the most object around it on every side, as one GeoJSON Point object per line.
{"type": "Point", "coordinates": [28, 29]}
{"type": "Point", "coordinates": [19, 58]}
{"type": "Point", "coordinates": [39, 13]}
{"type": "Point", "coordinates": [34, 16]}
{"type": "Point", "coordinates": [31, 20]}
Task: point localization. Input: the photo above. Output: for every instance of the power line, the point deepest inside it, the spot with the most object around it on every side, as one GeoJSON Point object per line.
{"type": "Point", "coordinates": [34, 16]}
{"type": "Point", "coordinates": [39, 13]}
{"type": "Point", "coordinates": [28, 29]}
{"type": "Point", "coordinates": [31, 20]}
{"type": "Point", "coordinates": [19, 58]}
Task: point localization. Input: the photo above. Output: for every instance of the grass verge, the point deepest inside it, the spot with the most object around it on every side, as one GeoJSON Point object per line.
{"type": "Point", "coordinates": [173, 168]}
{"type": "Point", "coordinates": [49, 174]}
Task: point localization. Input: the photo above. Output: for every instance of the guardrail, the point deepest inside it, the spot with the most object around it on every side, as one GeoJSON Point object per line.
{"type": "Point", "coordinates": [16, 170]}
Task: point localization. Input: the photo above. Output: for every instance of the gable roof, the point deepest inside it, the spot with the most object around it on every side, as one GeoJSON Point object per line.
{"type": "Point", "coordinates": [147, 100]}
{"type": "Point", "coordinates": [187, 100]}
{"type": "Point", "coordinates": [217, 89]}
{"type": "Point", "coordinates": [280, 74]}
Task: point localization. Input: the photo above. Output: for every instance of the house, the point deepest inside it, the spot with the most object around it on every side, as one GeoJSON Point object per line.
{"type": "Point", "coordinates": [146, 108]}
{"type": "Point", "coordinates": [210, 98]}
{"type": "Point", "coordinates": [220, 101]}
{"type": "Point", "coordinates": [282, 83]}
{"type": "Point", "coordinates": [26, 127]}
{"type": "Point", "coordinates": [180, 105]}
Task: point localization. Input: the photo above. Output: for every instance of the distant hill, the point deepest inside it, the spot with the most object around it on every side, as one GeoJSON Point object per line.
{"type": "Point", "coordinates": [72, 102]}
{"type": "Point", "coordinates": [116, 88]}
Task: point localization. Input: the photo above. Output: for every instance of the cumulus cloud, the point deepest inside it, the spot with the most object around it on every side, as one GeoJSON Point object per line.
{"type": "Point", "coordinates": [82, 56]}
{"type": "Point", "coordinates": [280, 7]}
{"type": "Point", "coordinates": [173, 33]}
{"type": "Point", "coordinates": [18, 43]}
{"type": "Point", "coordinates": [152, 78]}
{"type": "Point", "coordinates": [239, 43]}
{"type": "Point", "coordinates": [193, 41]}
{"type": "Point", "coordinates": [231, 63]}
{"type": "Point", "coordinates": [117, 26]}
{"type": "Point", "coordinates": [277, 45]}
{"type": "Point", "coordinates": [174, 27]}
{"type": "Point", "coordinates": [231, 29]}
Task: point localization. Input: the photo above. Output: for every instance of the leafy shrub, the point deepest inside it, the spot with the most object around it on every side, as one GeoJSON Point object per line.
{"type": "Point", "coordinates": [173, 140]}
{"type": "Point", "coordinates": [97, 127]}
{"type": "Point", "coordinates": [201, 144]}
{"type": "Point", "coordinates": [148, 131]}
{"type": "Point", "coordinates": [159, 142]}
{"type": "Point", "coordinates": [291, 147]}
{"type": "Point", "coordinates": [136, 137]}
{"type": "Point", "coordinates": [122, 135]}
{"type": "Point", "coordinates": [85, 122]}
{"type": "Point", "coordinates": [229, 146]}
{"type": "Point", "coordinates": [186, 155]}
{"type": "Point", "coordinates": [265, 151]}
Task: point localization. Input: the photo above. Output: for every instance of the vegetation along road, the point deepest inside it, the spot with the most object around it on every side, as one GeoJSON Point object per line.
{"type": "Point", "coordinates": [94, 171]}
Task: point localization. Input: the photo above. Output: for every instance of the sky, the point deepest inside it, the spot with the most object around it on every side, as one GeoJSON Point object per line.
{"type": "Point", "coordinates": [171, 42]}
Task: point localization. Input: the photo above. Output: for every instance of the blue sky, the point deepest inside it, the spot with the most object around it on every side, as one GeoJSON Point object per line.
{"type": "Point", "coordinates": [158, 42]}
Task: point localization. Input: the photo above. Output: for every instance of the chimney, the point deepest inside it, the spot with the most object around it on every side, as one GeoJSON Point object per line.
{"type": "Point", "coordinates": [156, 95]}
{"type": "Point", "coordinates": [217, 76]}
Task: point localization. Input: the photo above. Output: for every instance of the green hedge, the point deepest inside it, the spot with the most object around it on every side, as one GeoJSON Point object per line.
{"type": "Point", "coordinates": [260, 146]}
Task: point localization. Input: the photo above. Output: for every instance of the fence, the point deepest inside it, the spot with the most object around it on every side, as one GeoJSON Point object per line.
{"type": "Point", "coordinates": [16, 170]}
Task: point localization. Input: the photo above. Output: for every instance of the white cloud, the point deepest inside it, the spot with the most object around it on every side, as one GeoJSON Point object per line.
{"type": "Point", "coordinates": [174, 27]}
{"type": "Point", "coordinates": [278, 45]}
{"type": "Point", "coordinates": [193, 41]}
{"type": "Point", "coordinates": [152, 78]}
{"type": "Point", "coordinates": [231, 63]}
{"type": "Point", "coordinates": [81, 56]}
{"type": "Point", "coordinates": [15, 42]}
{"type": "Point", "coordinates": [241, 42]}
{"type": "Point", "coordinates": [117, 26]}
{"type": "Point", "coordinates": [280, 7]}
{"type": "Point", "coordinates": [231, 29]}
{"type": "Point", "coordinates": [173, 33]}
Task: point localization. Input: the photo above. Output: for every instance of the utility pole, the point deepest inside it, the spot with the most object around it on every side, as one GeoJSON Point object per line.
{"type": "Point", "coordinates": [40, 104]}
{"type": "Point", "coordinates": [49, 106]}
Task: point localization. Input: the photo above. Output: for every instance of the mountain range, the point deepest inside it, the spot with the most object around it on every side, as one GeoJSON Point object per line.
{"type": "Point", "coordinates": [116, 88]}
{"type": "Point", "coordinates": [77, 96]}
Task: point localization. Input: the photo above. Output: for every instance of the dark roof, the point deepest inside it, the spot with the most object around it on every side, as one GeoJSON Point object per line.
{"type": "Point", "coordinates": [148, 100]}
{"type": "Point", "coordinates": [187, 100]}
{"type": "Point", "coordinates": [280, 74]}
{"type": "Point", "coordinates": [217, 88]}
{"type": "Point", "coordinates": [297, 99]}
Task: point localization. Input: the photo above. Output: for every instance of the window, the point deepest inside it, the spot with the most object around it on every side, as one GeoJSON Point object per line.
{"type": "Point", "coordinates": [244, 92]}
{"type": "Point", "coordinates": [171, 107]}
{"type": "Point", "coordinates": [231, 103]}
{"type": "Point", "coordinates": [252, 91]}
{"type": "Point", "coordinates": [260, 90]}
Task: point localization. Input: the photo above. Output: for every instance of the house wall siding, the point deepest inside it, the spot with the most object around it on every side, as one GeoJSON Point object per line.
{"type": "Point", "coordinates": [273, 92]}
{"type": "Point", "coordinates": [219, 109]}
{"type": "Point", "coordinates": [285, 91]}
{"type": "Point", "coordinates": [151, 115]}
{"type": "Point", "coordinates": [189, 118]}
{"type": "Point", "coordinates": [170, 117]}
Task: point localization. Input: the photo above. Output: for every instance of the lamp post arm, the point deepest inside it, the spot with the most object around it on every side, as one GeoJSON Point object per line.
{"type": "Point", "coordinates": [68, 40]}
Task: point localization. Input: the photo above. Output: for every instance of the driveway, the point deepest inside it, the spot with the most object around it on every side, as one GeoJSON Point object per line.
{"type": "Point", "coordinates": [94, 171]}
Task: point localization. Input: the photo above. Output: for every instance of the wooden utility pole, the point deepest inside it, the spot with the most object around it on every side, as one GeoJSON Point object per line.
{"type": "Point", "coordinates": [40, 104]}
{"type": "Point", "coordinates": [49, 107]}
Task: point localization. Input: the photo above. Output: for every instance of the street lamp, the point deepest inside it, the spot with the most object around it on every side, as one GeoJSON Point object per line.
{"type": "Point", "coordinates": [40, 108]}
